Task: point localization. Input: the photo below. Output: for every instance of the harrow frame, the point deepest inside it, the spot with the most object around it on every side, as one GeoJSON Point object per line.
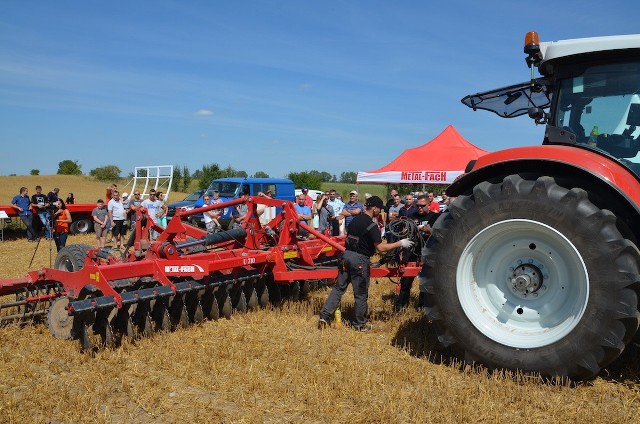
{"type": "Point", "coordinates": [185, 275]}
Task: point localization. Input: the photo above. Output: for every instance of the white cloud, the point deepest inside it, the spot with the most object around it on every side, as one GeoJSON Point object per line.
{"type": "Point", "coordinates": [203, 112]}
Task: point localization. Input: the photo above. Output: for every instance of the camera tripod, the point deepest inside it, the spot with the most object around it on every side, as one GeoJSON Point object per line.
{"type": "Point", "coordinates": [49, 226]}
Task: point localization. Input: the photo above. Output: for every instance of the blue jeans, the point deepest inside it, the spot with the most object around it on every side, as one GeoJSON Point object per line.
{"type": "Point", "coordinates": [355, 270]}
{"type": "Point", "coordinates": [44, 218]}
{"type": "Point", "coordinates": [28, 222]}
{"type": "Point", "coordinates": [60, 239]}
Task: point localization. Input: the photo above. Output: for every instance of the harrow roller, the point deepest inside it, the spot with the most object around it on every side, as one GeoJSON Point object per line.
{"type": "Point", "coordinates": [101, 297]}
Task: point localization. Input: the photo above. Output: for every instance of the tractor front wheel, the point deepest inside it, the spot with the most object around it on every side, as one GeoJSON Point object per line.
{"type": "Point", "coordinates": [529, 275]}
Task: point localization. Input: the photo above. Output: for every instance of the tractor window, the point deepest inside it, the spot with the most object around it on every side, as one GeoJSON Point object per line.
{"type": "Point", "coordinates": [601, 106]}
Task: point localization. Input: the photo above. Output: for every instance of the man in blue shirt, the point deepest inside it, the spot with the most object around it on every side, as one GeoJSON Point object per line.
{"type": "Point", "coordinates": [22, 204]}
{"type": "Point", "coordinates": [304, 213]}
{"type": "Point", "coordinates": [352, 208]}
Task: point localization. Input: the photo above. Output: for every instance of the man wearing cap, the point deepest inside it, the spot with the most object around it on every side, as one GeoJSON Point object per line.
{"type": "Point", "coordinates": [337, 206]}
{"type": "Point", "coordinates": [352, 208]}
{"type": "Point", "coordinates": [308, 201]}
{"type": "Point", "coordinates": [363, 240]}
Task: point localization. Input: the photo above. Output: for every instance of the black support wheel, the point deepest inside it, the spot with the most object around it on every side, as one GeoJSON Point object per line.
{"type": "Point", "coordinates": [71, 258]}
{"type": "Point", "coordinates": [529, 275]}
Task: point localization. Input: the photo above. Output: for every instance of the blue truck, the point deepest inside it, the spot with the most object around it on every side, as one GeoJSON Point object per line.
{"type": "Point", "coordinates": [231, 188]}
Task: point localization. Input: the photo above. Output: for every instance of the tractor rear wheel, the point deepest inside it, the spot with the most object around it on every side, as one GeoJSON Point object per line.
{"type": "Point", "coordinates": [528, 275]}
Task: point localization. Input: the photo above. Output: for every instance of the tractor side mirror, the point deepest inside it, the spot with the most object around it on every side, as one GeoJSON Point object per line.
{"type": "Point", "coordinates": [538, 115]}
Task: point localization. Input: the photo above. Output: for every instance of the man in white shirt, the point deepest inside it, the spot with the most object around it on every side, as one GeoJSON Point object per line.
{"type": "Point", "coordinates": [117, 215]}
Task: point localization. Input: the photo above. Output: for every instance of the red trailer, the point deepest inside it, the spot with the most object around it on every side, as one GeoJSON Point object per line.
{"type": "Point", "coordinates": [80, 213]}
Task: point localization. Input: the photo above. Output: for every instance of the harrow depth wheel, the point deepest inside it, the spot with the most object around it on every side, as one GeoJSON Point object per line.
{"type": "Point", "coordinates": [60, 322]}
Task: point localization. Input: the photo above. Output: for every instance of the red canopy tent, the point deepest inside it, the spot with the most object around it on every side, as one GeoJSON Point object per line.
{"type": "Point", "coordinates": [440, 161]}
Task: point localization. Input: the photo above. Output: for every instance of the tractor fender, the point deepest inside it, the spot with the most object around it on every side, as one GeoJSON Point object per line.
{"type": "Point", "coordinates": [609, 183]}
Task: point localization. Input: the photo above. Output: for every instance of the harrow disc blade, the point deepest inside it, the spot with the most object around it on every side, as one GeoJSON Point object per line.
{"type": "Point", "coordinates": [210, 305]}
{"type": "Point", "coordinates": [275, 294]}
{"type": "Point", "coordinates": [179, 315]}
{"type": "Point", "coordinates": [263, 300]}
{"type": "Point", "coordinates": [198, 314]}
{"type": "Point", "coordinates": [252, 303]}
{"type": "Point", "coordinates": [60, 322]}
{"type": "Point", "coordinates": [143, 322]}
{"type": "Point", "coordinates": [102, 327]}
{"type": "Point", "coordinates": [241, 302]}
{"type": "Point", "coordinates": [84, 337]}
{"type": "Point", "coordinates": [226, 308]}
{"type": "Point", "coordinates": [305, 288]}
{"type": "Point", "coordinates": [214, 310]}
{"type": "Point", "coordinates": [294, 291]}
{"type": "Point", "coordinates": [161, 318]}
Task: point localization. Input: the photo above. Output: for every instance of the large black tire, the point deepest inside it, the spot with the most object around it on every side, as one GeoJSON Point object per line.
{"type": "Point", "coordinates": [71, 258]}
{"type": "Point", "coordinates": [528, 275]}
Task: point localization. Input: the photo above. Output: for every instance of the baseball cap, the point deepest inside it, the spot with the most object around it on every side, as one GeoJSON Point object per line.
{"type": "Point", "coordinates": [374, 201]}
{"type": "Point", "coordinates": [125, 194]}
{"type": "Point", "coordinates": [353, 192]}
{"type": "Point", "coordinates": [215, 191]}
{"type": "Point", "coordinates": [305, 188]}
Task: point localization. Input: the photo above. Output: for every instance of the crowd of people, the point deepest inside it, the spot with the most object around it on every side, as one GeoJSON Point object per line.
{"type": "Point", "coordinates": [53, 217]}
{"type": "Point", "coordinates": [118, 214]}
{"type": "Point", "coordinates": [363, 224]}
{"type": "Point", "coordinates": [47, 215]}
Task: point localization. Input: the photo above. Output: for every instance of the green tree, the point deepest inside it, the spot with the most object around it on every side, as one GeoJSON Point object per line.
{"type": "Point", "coordinates": [323, 176]}
{"type": "Point", "coordinates": [35, 172]}
{"type": "Point", "coordinates": [348, 177]}
{"type": "Point", "coordinates": [232, 172]}
{"type": "Point", "coordinates": [176, 182]}
{"type": "Point", "coordinates": [260, 174]}
{"type": "Point", "coordinates": [69, 167]}
{"type": "Point", "coordinates": [186, 178]}
{"type": "Point", "coordinates": [106, 173]}
{"type": "Point", "coordinates": [305, 178]}
{"type": "Point", "coordinates": [208, 173]}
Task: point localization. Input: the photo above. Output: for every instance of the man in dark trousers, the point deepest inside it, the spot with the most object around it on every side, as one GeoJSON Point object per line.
{"type": "Point", "coordinates": [423, 218]}
{"type": "Point", "coordinates": [363, 239]}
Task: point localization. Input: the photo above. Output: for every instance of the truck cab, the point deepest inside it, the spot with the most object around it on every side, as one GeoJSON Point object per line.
{"type": "Point", "coordinates": [233, 187]}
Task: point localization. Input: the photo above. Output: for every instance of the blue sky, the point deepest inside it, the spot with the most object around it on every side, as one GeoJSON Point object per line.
{"type": "Point", "coordinates": [273, 86]}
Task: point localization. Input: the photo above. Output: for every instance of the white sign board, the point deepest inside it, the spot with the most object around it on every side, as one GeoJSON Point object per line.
{"type": "Point", "coordinates": [3, 215]}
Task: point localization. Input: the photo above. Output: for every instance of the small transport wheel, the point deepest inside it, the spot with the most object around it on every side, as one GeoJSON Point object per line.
{"type": "Point", "coordinates": [529, 275]}
{"type": "Point", "coordinates": [81, 226]}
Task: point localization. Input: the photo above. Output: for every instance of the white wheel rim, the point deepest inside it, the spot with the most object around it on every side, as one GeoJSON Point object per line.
{"type": "Point", "coordinates": [492, 277]}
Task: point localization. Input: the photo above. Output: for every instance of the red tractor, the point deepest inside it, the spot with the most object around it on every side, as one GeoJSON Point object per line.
{"type": "Point", "coordinates": [536, 265]}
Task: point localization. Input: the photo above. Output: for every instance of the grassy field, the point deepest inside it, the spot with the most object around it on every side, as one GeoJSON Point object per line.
{"type": "Point", "coordinates": [274, 366]}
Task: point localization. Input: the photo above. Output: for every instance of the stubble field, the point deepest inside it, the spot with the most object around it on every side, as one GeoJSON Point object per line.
{"type": "Point", "coordinates": [273, 365]}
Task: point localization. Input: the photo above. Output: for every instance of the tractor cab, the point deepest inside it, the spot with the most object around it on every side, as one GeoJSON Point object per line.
{"type": "Point", "coordinates": [588, 95]}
